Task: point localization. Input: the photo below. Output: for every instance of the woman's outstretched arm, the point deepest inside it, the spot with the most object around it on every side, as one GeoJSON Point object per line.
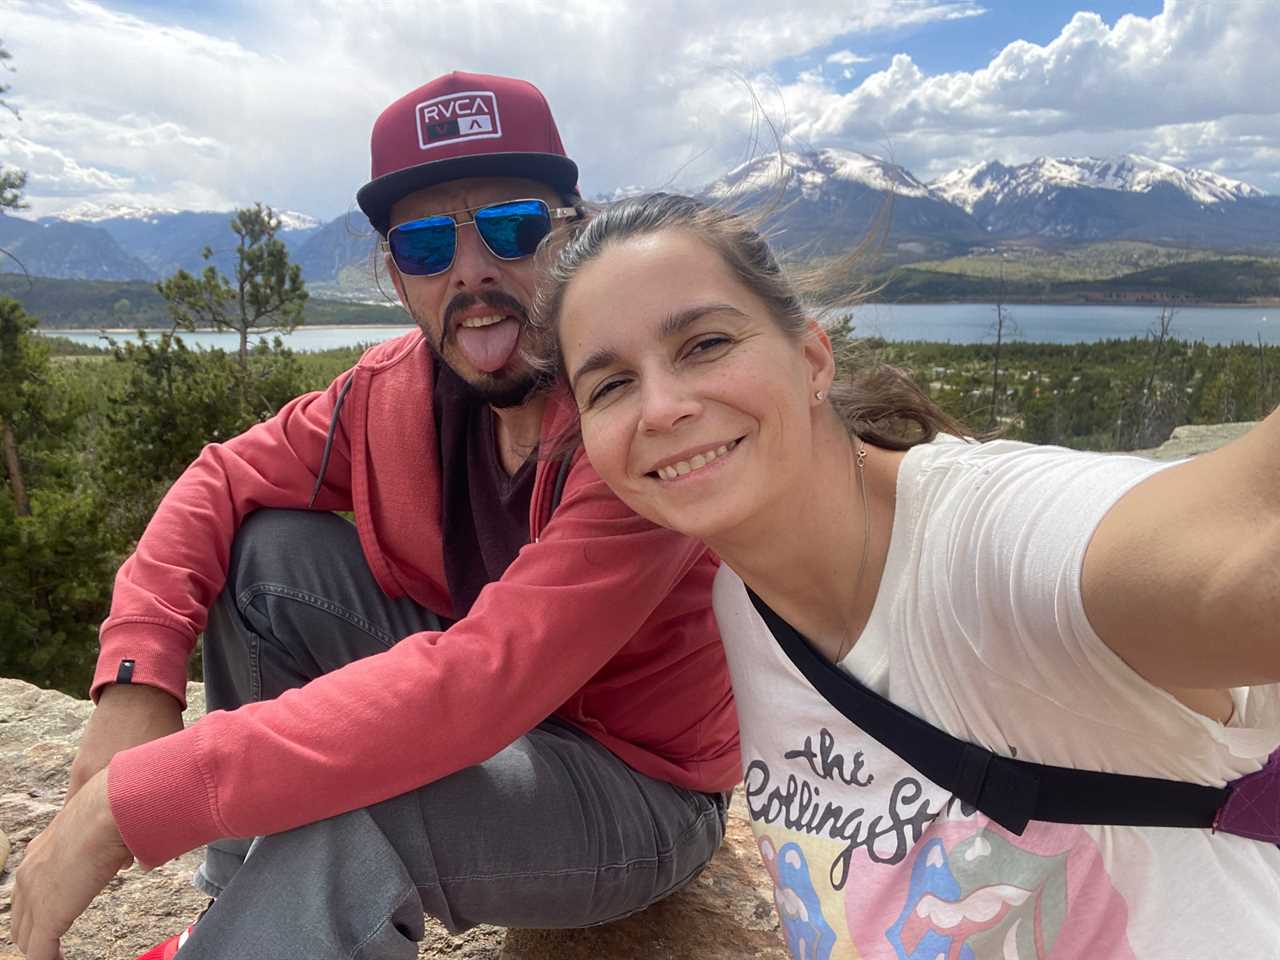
{"type": "Point", "coordinates": [1182, 577]}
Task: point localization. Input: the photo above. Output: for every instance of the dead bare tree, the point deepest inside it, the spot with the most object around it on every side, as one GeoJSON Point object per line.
{"type": "Point", "coordinates": [1150, 411]}
{"type": "Point", "coordinates": [1264, 388]}
{"type": "Point", "coordinates": [1001, 317]}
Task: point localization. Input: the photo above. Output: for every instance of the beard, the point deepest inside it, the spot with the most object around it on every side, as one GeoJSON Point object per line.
{"type": "Point", "coordinates": [501, 388]}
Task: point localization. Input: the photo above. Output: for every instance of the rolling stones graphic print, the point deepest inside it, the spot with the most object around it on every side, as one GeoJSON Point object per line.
{"type": "Point", "coordinates": [869, 860]}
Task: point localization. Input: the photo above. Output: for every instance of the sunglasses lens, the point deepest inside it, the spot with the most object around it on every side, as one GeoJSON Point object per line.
{"type": "Point", "coordinates": [514, 230]}
{"type": "Point", "coordinates": [423, 248]}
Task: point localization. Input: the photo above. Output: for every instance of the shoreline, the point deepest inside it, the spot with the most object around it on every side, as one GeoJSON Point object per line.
{"type": "Point", "coordinates": [302, 326]}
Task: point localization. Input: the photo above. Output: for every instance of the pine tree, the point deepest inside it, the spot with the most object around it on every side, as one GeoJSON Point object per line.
{"type": "Point", "coordinates": [11, 181]}
{"type": "Point", "coordinates": [23, 367]}
{"type": "Point", "coordinates": [267, 294]}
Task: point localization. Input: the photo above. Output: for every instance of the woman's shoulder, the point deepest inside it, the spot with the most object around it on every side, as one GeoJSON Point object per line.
{"type": "Point", "coordinates": [728, 590]}
{"type": "Point", "coordinates": [946, 449]}
{"type": "Point", "coordinates": [949, 460]}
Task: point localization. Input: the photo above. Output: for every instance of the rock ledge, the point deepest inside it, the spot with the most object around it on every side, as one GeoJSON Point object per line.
{"type": "Point", "coordinates": [726, 914]}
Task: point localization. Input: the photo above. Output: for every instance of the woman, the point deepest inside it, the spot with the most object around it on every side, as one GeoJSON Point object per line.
{"type": "Point", "coordinates": [1106, 613]}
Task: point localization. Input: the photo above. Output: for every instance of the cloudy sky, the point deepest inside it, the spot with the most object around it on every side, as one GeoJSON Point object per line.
{"type": "Point", "coordinates": [207, 105]}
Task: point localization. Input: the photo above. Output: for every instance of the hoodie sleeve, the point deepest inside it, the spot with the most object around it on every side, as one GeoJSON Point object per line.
{"type": "Point", "coordinates": [164, 590]}
{"type": "Point", "coordinates": [431, 705]}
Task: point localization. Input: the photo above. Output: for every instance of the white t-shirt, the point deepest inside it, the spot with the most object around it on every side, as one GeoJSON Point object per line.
{"type": "Point", "coordinates": [979, 628]}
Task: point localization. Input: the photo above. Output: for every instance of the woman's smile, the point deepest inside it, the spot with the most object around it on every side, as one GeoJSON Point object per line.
{"type": "Point", "coordinates": [682, 466]}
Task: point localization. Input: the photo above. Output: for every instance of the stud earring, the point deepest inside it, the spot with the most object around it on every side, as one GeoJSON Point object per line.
{"type": "Point", "coordinates": [820, 396]}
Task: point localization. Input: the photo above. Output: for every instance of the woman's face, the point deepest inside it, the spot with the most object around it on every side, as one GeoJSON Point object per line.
{"type": "Point", "coordinates": [697, 410]}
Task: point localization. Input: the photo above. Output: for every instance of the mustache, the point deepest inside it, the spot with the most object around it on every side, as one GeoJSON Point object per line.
{"type": "Point", "coordinates": [497, 300]}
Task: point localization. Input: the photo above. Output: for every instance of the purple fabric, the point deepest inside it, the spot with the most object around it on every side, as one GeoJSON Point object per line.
{"type": "Point", "coordinates": [1253, 805]}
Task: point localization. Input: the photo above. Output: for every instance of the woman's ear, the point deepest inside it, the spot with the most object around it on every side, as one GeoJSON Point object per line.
{"type": "Point", "coordinates": [820, 359]}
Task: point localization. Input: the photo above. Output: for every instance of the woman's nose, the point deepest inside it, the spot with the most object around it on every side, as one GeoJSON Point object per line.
{"type": "Point", "coordinates": [665, 402]}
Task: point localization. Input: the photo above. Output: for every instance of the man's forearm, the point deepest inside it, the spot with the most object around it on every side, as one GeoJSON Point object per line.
{"type": "Point", "coordinates": [127, 714]}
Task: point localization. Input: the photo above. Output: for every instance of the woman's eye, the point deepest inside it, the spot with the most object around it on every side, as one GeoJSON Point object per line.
{"type": "Point", "coordinates": [710, 344]}
{"type": "Point", "coordinates": [604, 390]}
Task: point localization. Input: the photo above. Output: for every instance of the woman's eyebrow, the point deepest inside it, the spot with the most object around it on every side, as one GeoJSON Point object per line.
{"type": "Point", "coordinates": [674, 324]}
{"type": "Point", "coordinates": [681, 319]}
{"type": "Point", "coordinates": [597, 360]}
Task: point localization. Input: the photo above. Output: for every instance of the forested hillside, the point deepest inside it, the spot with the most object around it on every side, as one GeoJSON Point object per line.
{"type": "Point", "coordinates": [1233, 280]}
{"type": "Point", "coordinates": [136, 304]}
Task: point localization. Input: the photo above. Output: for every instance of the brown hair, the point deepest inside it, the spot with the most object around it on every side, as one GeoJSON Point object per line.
{"type": "Point", "coordinates": [876, 402]}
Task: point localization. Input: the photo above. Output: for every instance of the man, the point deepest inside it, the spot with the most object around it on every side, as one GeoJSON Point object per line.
{"type": "Point", "coordinates": [495, 625]}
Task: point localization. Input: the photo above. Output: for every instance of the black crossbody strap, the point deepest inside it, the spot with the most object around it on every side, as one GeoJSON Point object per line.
{"type": "Point", "coordinates": [1010, 792]}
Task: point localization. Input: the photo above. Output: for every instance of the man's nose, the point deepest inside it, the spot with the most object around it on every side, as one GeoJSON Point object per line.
{"type": "Point", "coordinates": [473, 265]}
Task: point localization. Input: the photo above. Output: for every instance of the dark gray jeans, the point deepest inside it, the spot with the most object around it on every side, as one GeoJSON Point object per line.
{"type": "Point", "coordinates": [553, 831]}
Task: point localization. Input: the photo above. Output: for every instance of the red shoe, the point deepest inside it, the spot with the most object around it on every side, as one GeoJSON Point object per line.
{"type": "Point", "coordinates": [169, 949]}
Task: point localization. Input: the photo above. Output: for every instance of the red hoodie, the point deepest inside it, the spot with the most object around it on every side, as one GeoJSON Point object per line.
{"type": "Point", "coordinates": [603, 619]}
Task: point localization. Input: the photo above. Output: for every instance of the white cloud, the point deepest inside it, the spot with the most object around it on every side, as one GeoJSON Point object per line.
{"type": "Point", "coordinates": [847, 58]}
{"type": "Point", "coordinates": [1178, 78]}
{"type": "Point", "coordinates": [278, 107]}
{"type": "Point", "coordinates": [51, 171]}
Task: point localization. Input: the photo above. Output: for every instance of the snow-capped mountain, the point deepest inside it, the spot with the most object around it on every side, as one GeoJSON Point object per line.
{"type": "Point", "coordinates": [1129, 197]}
{"type": "Point", "coordinates": [165, 240]}
{"type": "Point", "coordinates": [291, 221]}
{"type": "Point", "coordinates": [90, 212]}
{"type": "Point", "coordinates": [73, 251]}
{"type": "Point", "coordinates": [817, 202]}
{"type": "Point", "coordinates": [814, 171]}
{"type": "Point", "coordinates": [993, 182]}
{"type": "Point", "coordinates": [826, 200]}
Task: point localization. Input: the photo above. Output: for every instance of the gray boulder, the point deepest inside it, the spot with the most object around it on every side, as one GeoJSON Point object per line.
{"type": "Point", "coordinates": [1194, 439]}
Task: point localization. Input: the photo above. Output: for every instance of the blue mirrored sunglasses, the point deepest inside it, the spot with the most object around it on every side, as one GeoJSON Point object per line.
{"type": "Point", "coordinates": [510, 230]}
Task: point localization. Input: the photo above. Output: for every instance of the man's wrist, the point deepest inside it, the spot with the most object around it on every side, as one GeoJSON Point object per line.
{"type": "Point", "coordinates": [138, 694]}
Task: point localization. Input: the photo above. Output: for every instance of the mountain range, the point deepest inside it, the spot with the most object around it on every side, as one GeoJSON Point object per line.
{"type": "Point", "coordinates": [813, 202]}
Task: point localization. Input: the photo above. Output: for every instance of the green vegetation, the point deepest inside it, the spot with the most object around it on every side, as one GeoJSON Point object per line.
{"type": "Point", "coordinates": [1108, 395]}
{"type": "Point", "coordinates": [96, 437]}
{"type": "Point", "coordinates": [11, 181]}
{"type": "Point", "coordinates": [1231, 280]}
{"type": "Point", "coordinates": [1040, 264]}
{"type": "Point", "coordinates": [268, 294]}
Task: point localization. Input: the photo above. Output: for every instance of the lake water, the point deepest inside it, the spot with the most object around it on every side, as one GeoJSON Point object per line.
{"type": "Point", "coordinates": [1063, 323]}
{"type": "Point", "coordinates": [953, 322]}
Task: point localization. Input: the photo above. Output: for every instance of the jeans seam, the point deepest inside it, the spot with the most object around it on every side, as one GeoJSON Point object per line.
{"type": "Point", "coordinates": [248, 595]}
{"type": "Point", "coordinates": [598, 868]}
{"type": "Point", "coordinates": [255, 666]}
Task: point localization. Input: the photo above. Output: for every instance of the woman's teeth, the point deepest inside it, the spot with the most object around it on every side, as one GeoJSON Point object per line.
{"type": "Point", "coordinates": [696, 462]}
{"type": "Point", "coordinates": [483, 321]}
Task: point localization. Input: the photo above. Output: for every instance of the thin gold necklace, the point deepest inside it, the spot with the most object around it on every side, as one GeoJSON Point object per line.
{"type": "Point", "coordinates": [847, 644]}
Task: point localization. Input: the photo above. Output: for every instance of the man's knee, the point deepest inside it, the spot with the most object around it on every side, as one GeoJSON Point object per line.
{"type": "Point", "coordinates": [272, 541]}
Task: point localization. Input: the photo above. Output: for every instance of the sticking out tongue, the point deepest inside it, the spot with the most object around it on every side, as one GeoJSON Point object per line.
{"type": "Point", "coordinates": [489, 348]}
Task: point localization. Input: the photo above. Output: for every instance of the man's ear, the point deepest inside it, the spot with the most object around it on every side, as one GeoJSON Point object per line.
{"type": "Point", "coordinates": [820, 357]}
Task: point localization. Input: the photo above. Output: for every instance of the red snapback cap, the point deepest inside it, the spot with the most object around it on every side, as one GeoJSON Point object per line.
{"type": "Point", "coordinates": [462, 125]}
